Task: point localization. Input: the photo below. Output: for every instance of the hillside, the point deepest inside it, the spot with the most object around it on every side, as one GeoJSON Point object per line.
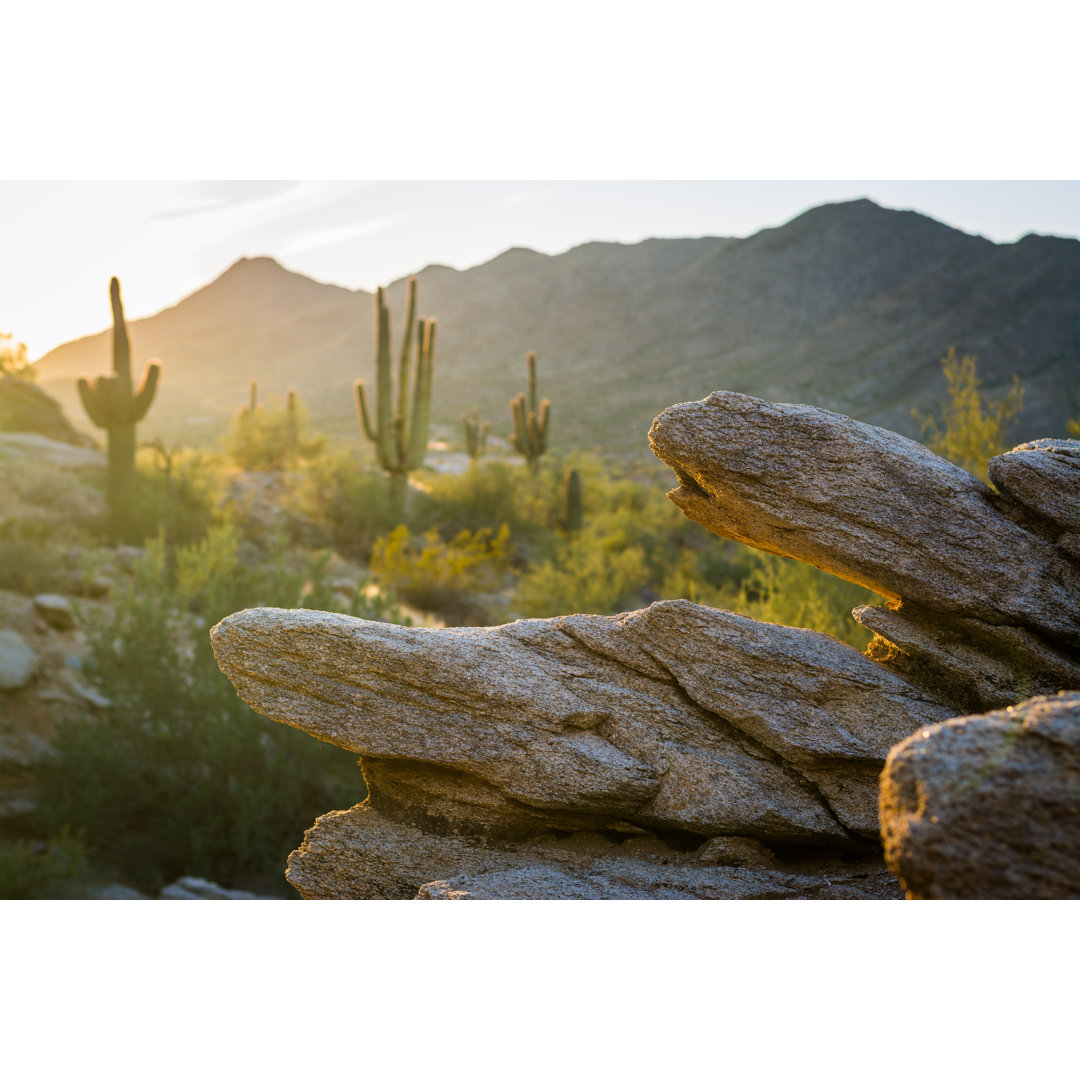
{"type": "Point", "coordinates": [849, 306]}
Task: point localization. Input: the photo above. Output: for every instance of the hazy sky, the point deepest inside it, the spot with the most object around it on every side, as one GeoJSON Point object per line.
{"type": "Point", "coordinates": [64, 240]}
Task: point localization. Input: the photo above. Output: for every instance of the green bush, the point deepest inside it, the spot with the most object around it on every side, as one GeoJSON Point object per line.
{"type": "Point", "coordinates": [793, 593]}
{"type": "Point", "coordinates": [448, 577]}
{"type": "Point", "coordinates": [488, 496]}
{"type": "Point", "coordinates": [37, 870]}
{"type": "Point", "coordinates": [179, 776]}
{"type": "Point", "coordinates": [176, 492]}
{"type": "Point", "coordinates": [272, 439]}
{"type": "Point", "coordinates": [339, 503]}
{"type": "Point", "coordinates": [33, 556]}
{"type": "Point", "coordinates": [588, 574]}
{"type": "Point", "coordinates": [972, 428]}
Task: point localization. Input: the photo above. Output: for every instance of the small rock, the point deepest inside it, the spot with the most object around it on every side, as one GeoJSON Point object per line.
{"type": "Point", "coordinates": [118, 892]}
{"type": "Point", "coordinates": [195, 888]}
{"type": "Point", "coordinates": [128, 556]}
{"type": "Point", "coordinates": [55, 610]}
{"type": "Point", "coordinates": [735, 851]}
{"type": "Point", "coordinates": [18, 662]}
{"type": "Point", "coordinates": [103, 582]}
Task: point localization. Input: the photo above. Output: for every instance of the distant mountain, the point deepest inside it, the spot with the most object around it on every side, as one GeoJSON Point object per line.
{"type": "Point", "coordinates": [849, 306]}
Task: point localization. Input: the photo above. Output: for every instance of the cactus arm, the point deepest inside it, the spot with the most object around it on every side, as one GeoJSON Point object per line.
{"type": "Point", "coordinates": [530, 361]}
{"type": "Point", "coordinates": [145, 396]}
{"type": "Point", "coordinates": [92, 403]}
{"type": "Point", "coordinates": [484, 427]}
{"type": "Point", "coordinates": [121, 342]}
{"type": "Point", "coordinates": [470, 435]}
{"type": "Point", "coordinates": [406, 349]}
{"type": "Point", "coordinates": [542, 427]}
{"type": "Point", "coordinates": [384, 406]}
{"type": "Point", "coordinates": [362, 410]}
{"type": "Point", "coordinates": [422, 393]}
{"type": "Point", "coordinates": [517, 412]}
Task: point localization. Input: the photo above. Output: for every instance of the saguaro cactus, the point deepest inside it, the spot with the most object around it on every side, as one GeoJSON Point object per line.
{"type": "Point", "coordinates": [292, 424]}
{"type": "Point", "coordinates": [112, 404]}
{"type": "Point", "coordinates": [253, 401]}
{"type": "Point", "coordinates": [476, 433]}
{"type": "Point", "coordinates": [400, 431]}
{"type": "Point", "coordinates": [530, 435]}
{"type": "Point", "coordinates": [572, 514]}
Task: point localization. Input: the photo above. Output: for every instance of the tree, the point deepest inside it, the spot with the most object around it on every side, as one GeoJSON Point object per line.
{"type": "Point", "coordinates": [13, 359]}
{"type": "Point", "coordinates": [972, 428]}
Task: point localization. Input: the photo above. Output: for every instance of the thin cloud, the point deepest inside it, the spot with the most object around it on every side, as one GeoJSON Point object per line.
{"type": "Point", "coordinates": [211, 197]}
{"type": "Point", "coordinates": [324, 238]}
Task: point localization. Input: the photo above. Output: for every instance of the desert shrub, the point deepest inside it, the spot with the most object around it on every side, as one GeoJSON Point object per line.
{"type": "Point", "coordinates": [42, 870]}
{"type": "Point", "coordinates": [488, 496]}
{"type": "Point", "coordinates": [179, 776]}
{"type": "Point", "coordinates": [177, 492]}
{"type": "Point", "coordinates": [793, 593]}
{"type": "Point", "coordinates": [13, 359]}
{"type": "Point", "coordinates": [339, 503]}
{"type": "Point", "coordinates": [589, 574]}
{"type": "Point", "coordinates": [33, 555]}
{"type": "Point", "coordinates": [273, 438]}
{"type": "Point", "coordinates": [63, 495]}
{"type": "Point", "coordinates": [973, 427]}
{"type": "Point", "coordinates": [450, 577]}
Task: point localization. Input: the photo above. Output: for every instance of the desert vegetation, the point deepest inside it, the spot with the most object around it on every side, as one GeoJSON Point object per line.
{"type": "Point", "coordinates": [170, 774]}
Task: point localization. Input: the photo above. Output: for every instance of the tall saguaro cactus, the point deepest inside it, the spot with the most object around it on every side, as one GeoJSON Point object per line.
{"type": "Point", "coordinates": [112, 404]}
{"type": "Point", "coordinates": [530, 435]}
{"type": "Point", "coordinates": [400, 430]}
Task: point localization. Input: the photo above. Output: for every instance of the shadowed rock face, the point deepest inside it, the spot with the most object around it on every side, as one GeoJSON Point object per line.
{"type": "Point", "coordinates": [986, 807]}
{"type": "Point", "coordinates": [682, 751]}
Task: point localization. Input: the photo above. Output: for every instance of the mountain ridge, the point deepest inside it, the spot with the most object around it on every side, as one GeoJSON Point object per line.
{"type": "Point", "coordinates": [849, 306]}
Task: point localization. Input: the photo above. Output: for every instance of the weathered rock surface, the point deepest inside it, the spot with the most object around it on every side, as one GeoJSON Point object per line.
{"type": "Point", "coordinates": [983, 610]}
{"type": "Point", "coordinates": [866, 504]}
{"type": "Point", "coordinates": [682, 751]}
{"type": "Point", "coordinates": [18, 662]}
{"type": "Point", "coordinates": [362, 854]}
{"type": "Point", "coordinates": [22, 446]}
{"type": "Point", "coordinates": [1043, 475]}
{"type": "Point", "coordinates": [988, 807]}
{"type": "Point", "coordinates": [677, 717]}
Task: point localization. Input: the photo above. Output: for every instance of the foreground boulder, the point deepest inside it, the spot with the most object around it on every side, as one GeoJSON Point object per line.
{"type": "Point", "coordinates": [983, 595]}
{"type": "Point", "coordinates": [680, 723]}
{"type": "Point", "coordinates": [988, 807]}
{"type": "Point", "coordinates": [682, 751]}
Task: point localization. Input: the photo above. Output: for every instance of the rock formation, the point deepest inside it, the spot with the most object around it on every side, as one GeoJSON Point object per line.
{"type": "Point", "coordinates": [683, 751]}
{"type": "Point", "coordinates": [987, 807]}
{"type": "Point", "coordinates": [983, 595]}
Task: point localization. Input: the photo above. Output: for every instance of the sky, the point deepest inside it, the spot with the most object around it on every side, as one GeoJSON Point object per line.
{"type": "Point", "coordinates": [63, 240]}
